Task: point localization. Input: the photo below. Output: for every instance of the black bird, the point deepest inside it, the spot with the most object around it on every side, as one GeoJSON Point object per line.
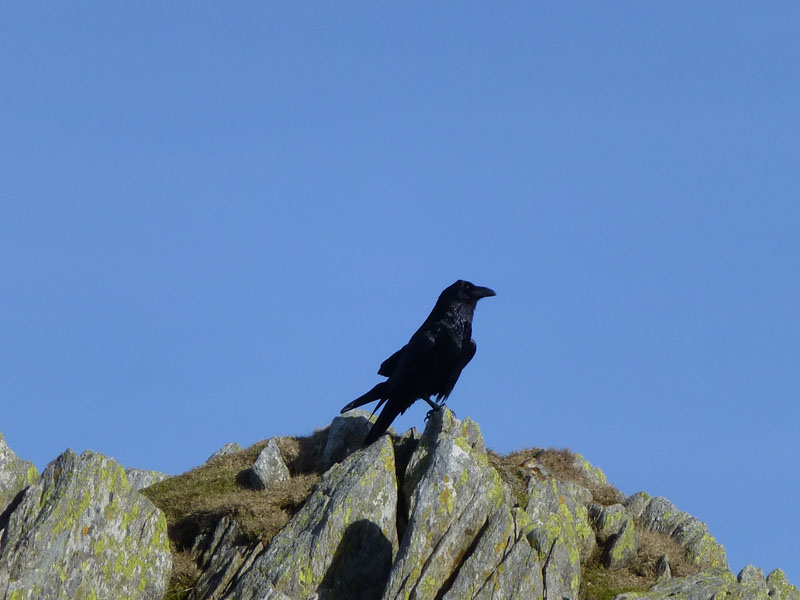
{"type": "Point", "coordinates": [430, 363]}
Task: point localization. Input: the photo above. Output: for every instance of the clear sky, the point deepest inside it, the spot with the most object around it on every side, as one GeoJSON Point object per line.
{"type": "Point", "coordinates": [217, 219]}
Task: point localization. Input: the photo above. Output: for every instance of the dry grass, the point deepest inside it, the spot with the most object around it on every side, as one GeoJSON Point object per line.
{"type": "Point", "coordinates": [517, 467]}
{"type": "Point", "coordinates": [597, 582]}
{"type": "Point", "coordinates": [194, 502]}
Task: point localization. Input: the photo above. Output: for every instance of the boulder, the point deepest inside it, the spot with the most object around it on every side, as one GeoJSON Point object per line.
{"type": "Point", "coordinates": [268, 468]}
{"type": "Point", "coordinates": [345, 435]}
{"type": "Point", "coordinates": [228, 448]}
{"type": "Point", "coordinates": [81, 531]}
{"type": "Point", "coordinates": [142, 478]}
{"type": "Point", "coordinates": [621, 547]}
{"type": "Point", "coordinates": [342, 541]}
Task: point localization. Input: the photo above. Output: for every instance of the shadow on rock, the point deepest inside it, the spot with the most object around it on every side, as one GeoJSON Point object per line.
{"type": "Point", "coordinates": [360, 566]}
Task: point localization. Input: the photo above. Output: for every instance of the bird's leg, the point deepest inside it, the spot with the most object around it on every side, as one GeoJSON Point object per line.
{"type": "Point", "coordinates": [434, 407]}
{"type": "Point", "coordinates": [442, 404]}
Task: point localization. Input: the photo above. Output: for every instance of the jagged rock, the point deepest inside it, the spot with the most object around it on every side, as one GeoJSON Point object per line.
{"type": "Point", "coordinates": [501, 563]}
{"type": "Point", "coordinates": [780, 588]}
{"type": "Point", "coordinates": [450, 489]}
{"type": "Point", "coordinates": [345, 435]}
{"type": "Point", "coordinates": [142, 478]}
{"type": "Point", "coordinates": [621, 547]}
{"type": "Point", "coordinates": [81, 531]}
{"type": "Point", "coordinates": [222, 555]}
{"type": "Point", "coordinates": [663, 570]}
{"type": "Point", "coordinates": [615, 532]}
{"type": "Point", "coordinates": [594, 475]}
{"type": "Point", "coordinates": [228, 448]}
{"type": "Point", "coordinates": [636, 503]}
{"type": "Point", "coordinates": [561, 534]}
{"type": "Point", "coordinates": [753, 583]}
{"type": "Point", "coordinates": [15, 474]}
{"type": "Point", "coordinates": [716, 582]}
{"type": "Point", "coordinates": [607, 520]}
{"type": "Point", "coordinates": [269, 467]}
{"type": "Point", "coordinates": [342, 542]}
{"type": "Point", "coordinates": [659, 514]}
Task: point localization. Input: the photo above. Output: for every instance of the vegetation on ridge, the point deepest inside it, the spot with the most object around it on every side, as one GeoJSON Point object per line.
{"type": "Point", "coordinates": [195, 501]}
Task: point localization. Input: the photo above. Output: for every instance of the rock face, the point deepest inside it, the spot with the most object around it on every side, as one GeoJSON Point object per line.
{"type": "Point", "coordinates": [80, 531]}
{"type": "Point", "coordinates": [142, 478]}
{"type": "Point", "coordinates": [450, 490]}
{"type": "Point", "coordinates": [15, 474]}
{"type": "Point", "coordinates": [341, 543]}
{"type": "Point", "coordinates": [435, 517]}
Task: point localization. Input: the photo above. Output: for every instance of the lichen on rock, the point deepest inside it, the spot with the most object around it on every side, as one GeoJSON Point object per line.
{"type": "Point", "coordinates": [81, 531]}
{"type": "Point", "coordinates": [15, 474]}
{"type": "Point", "coordinates": [450, 490]}
{"type": "Point", "coordinates": [342, 542]}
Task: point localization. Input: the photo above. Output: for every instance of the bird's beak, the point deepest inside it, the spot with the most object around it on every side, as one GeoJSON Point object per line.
{"type": "Point", "coordinates": [479, 292]}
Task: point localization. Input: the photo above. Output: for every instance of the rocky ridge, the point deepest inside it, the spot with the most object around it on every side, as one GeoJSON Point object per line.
{"type": "Point", "coordinates": [436, 517]}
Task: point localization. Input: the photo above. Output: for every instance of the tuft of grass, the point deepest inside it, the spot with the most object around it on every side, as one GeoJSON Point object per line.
{"type": "Point", "coordinates": [194, 502]}
{"type": "Point", "coordinates": [517, 467]}
{"type": "Point", "coordinates": [597, 582]}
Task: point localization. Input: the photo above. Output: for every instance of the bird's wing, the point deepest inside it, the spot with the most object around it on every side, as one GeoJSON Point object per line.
{"type": "Point", "coordinates": [388, 366]}
{"type": "Point", "coordinates": [469, 352]}
{"type": "Point", "coordinates": [413, 359]}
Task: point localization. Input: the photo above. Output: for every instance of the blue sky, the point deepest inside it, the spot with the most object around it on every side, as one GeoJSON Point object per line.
{"type": "Point", "coordinates": [218, 220]}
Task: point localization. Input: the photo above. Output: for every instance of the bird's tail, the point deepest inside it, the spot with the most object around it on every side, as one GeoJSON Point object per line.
{"type": "Point", "coordinates": [388, 414]}
{"type": "Point", "coordinates": [376, 393]}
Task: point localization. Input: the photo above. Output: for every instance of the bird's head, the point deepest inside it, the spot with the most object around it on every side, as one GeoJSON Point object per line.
{"type": "Point", "coordinates": [467, 292]}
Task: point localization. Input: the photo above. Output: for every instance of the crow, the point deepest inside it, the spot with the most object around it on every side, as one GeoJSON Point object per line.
{"type": "Point", "coordinates": [430, 363]}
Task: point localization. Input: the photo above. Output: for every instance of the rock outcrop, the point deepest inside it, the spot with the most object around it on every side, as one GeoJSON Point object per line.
{"type": "Point", "coordinates": [15, 474]}
{"type": "Point", "coordinates": [431, 517]}
{"type": "Point", "coordinates": [80, 531]}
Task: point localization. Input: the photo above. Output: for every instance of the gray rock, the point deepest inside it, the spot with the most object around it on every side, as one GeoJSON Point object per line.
{"type": "Point", "coordinates": [345, 435]}
{"type": "Point", "coordinates": [713, 583]}
{"type": "Point", "coordinates": [621, 547]}
{"type": "Point", "coordinates": [342, 542]}
{"type": "Point", "coordinates": [228, 448]}
{"type": "Point", "coordinates": [81, 531]}
{"type": "Point", "coordinates": [663, 570]}
{"type": "Point", "coordinates": [607, 520]}
{"type": "Point", "coordinates": [502, 565]}
{"type": "Point", "coordinates": [594, 475]}
{"type": "Point", "coordinates": [659, 514]}
{"type": "Point", "coordinates": [15, 474]}
{"type": "Point", "coordinates": [268, 468]}
{"type": "Point", "coordinates": [753, 584]}
{"type": "Point", "coordinates": [141, 478]}
{"type": "Point", "coordinates": [450, 489]}
{"type": "Point", "coordinates": [779, 587]}
{"type": "Point", "coordinates": [561, 534]}
{"type": "Point", "coordinates": [616, 532]}
{"type": "Point", "coordinates": [636, 503]}
{"type": "Point", "coordinates": [222, 556]}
